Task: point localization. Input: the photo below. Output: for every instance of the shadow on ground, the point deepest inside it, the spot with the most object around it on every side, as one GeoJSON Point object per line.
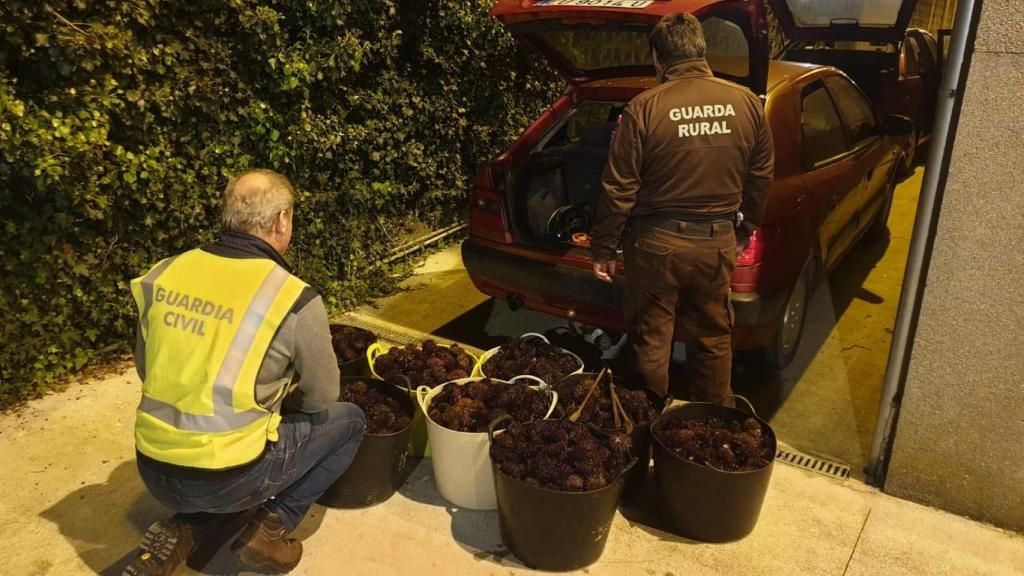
{"type": "Point", "coordinates": [767, 388]}
{"type": "Point", "coordinates": [475, 531]}
{"type": "Point", "coordinates": [104, 522]}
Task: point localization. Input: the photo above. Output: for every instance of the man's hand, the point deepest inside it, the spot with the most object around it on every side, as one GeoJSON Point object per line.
{"type": "Point", "coordinates": [604, 270]}
{"type": "Point", "coordinates": [741, 244]}
{"type": "Point", "coordinates": [743, 233]}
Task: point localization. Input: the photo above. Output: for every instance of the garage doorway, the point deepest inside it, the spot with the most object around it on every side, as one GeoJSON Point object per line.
{"type": "Point", "coordinates": [827, 402]}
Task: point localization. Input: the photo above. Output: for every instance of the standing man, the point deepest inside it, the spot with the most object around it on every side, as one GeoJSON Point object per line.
{"type": "Point", "coordinates": [690, 168]}
{"type": "Point", "coordinates": [224, 333]}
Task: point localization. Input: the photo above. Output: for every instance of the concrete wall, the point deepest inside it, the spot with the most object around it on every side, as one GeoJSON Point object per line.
{"type": "Point", "coordinates": [959, 443]}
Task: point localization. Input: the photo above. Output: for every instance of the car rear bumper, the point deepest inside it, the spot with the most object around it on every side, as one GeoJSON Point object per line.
{"type": "Point", "coordinates": [562, 289]}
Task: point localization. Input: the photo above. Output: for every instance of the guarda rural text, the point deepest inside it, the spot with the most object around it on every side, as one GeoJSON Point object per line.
{"type": "Point", "coordinates": [710, 112]}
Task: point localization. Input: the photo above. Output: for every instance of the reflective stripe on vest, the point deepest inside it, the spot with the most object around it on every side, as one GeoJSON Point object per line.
{"type": "Point", "coordinates": [198, 408]}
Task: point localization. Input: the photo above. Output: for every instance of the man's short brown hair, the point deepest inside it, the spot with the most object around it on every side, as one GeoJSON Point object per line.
{"type": "Point", "coordinates": [678, 37]}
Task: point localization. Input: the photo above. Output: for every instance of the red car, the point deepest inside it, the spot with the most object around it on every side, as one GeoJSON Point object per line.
{"type": "Point", "coordinates": [836, 167]}
{"type": "Point", "coordinates": [897, 68]}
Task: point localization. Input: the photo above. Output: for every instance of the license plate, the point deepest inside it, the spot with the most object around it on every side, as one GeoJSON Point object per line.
{"type": "Point", "coordinates": [627, 4]}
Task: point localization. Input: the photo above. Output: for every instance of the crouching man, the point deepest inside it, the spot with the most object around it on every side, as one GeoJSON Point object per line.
{"type": "Point", "coordinates": [224, 333]}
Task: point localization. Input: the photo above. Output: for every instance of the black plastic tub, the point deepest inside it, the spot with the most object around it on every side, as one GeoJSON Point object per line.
{"type": "Point", "coordinates": [377, 471]}
{"type": "Point", "coordinates": [359, 366]}
{"type": "Point", "coordinates": [553, 530]}
{"type": "Point", "coordinates": [704, 503]}
{"type": "Point", "coordinates": [636, 481]}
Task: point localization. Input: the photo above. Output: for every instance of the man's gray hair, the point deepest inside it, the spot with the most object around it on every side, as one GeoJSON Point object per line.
{"type": "Point", "coordinates": [678, 37]}
{"type": "Point", "coordinates": [254, 206]}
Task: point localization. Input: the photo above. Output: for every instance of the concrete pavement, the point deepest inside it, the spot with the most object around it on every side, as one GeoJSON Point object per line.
{"type": "Point", "coordinates": [72, 503]}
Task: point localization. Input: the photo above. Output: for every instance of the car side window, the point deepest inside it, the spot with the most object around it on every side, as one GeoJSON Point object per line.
{"type": "Point", "coordinates": [823, 136]}
{"type": "Point", "coordinates": [855, 110]}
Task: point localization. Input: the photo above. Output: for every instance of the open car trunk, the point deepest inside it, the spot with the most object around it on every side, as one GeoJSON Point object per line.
{"type": "Point", "coordinates": [861, 38]}
{"type": "Point", "coordinates": [876, 21]}
{"type": "Point", "coordinates": [556, 189]}
{"type": "Point", "coordinates": [588, 40]}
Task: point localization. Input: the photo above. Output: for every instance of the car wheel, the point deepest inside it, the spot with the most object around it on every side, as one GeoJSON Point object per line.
{"type": "Point", "coordinates": [782, 349]}
{"type": "Point", "coordinates": [879, 230]}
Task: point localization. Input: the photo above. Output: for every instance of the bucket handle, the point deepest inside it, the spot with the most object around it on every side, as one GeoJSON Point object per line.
{"type": "Point", "coordinates": [543, 385]}
{"type": "Point", "coordinates": [554, 402]}
{"type": "Point", "coordinates": [375, 351]}
{"type": "Point", "coordinates": [494, 424]}
{"type": "Point", "coordinates": [750, 407]}
{"type": "Point", "coordinates": [478, 367]}
{"type": "Point", "coordinates": [408, 383]}
{"type": "Point", "coordinates": [535, 335]}
{"type": "Point", "coordinates": [421, 396]}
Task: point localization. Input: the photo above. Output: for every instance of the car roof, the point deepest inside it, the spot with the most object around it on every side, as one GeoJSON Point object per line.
{"type": "Point", "coordinates": [780, 71]}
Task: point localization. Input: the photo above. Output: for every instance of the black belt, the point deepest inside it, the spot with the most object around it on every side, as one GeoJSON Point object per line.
{"type": "Point", "coordinates": [697, 229]}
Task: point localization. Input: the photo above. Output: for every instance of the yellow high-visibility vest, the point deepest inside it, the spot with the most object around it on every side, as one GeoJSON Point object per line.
{"type": "Point", "coordinates": [206, 323]}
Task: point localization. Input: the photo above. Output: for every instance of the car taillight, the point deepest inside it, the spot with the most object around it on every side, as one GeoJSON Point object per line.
{"type": "Point", "coordinates": [492, 177]}
{"type": "Point", "coordinates": [487, 214]}
{"type": "Point", "coordinates": [486, 204]}
{"type": "Point", "coordinates": [754, 252]}
{"type": "Point", "coordinates": [488, 188]}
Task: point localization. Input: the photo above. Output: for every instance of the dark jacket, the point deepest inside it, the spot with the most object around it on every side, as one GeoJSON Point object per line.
{"type": "Point", "coordinates": [695, 146]}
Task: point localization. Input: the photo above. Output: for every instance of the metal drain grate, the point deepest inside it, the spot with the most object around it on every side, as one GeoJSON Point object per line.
{"type": "Point", "coordinates": [386, 333]}
{"type": "Point", "coordinates": [813, 464]}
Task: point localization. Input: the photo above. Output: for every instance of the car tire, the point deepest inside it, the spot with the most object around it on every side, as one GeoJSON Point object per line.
{"type": "Point", "coordinates": [783, 347]}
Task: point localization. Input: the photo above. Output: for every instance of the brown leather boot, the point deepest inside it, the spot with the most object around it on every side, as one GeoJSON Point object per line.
{"type": "Point", "coordinates": [165, 547]}
{"type": "Point", "coordinates": [264, 544]}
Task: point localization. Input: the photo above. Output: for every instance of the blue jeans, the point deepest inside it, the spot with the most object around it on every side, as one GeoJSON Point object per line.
{"type": "Point", "coordinates": [312, 451]}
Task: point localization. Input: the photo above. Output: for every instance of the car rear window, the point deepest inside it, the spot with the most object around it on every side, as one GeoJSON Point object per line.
{"type": "Point", "coordinates": [855, 110]}
{"type": "Point", "coordinates": [611, 46]}
{"type": "Point", "coordinates": [825, 12]}
{"type": "Point", "coordinates": [823, 135]}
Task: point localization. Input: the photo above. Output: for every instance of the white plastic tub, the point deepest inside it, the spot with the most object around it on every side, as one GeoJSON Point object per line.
{"type": "Point", "coordinates": [418, 441]}
{"type": "Point", "coordinates": [461, 460]}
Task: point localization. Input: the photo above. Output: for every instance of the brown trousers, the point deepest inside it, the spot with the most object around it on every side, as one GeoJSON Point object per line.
{"type": "Point", "coordinates": [676, 273]}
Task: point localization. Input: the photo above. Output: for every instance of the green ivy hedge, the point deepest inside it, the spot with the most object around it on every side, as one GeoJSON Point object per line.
{"type": "Point", "coordinates": [120, 121]}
